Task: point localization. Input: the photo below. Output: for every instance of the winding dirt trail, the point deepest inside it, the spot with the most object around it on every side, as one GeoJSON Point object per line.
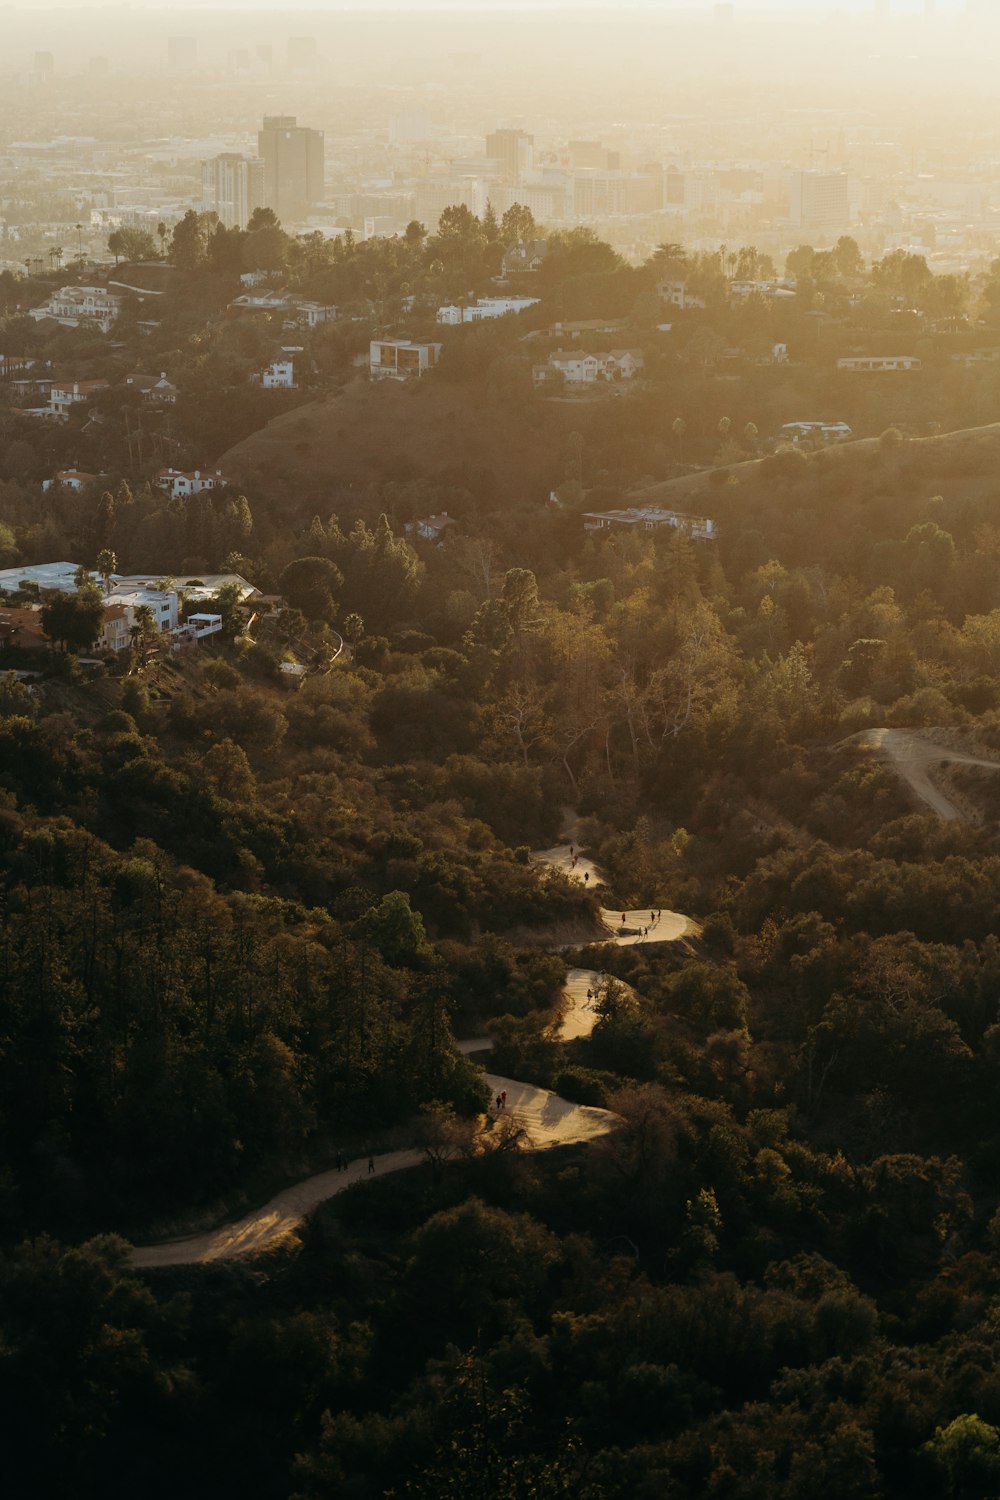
{"type": "Point", "coordinates": [913, 756]}
{"type": "Point", "coordinates": [546, 1119]}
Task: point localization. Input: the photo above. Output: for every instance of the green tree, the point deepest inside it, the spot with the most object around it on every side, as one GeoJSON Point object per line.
{"type": "Point", "coordinates": [74, 621]}
{"type": "Point", "coordinates": [129, 243]}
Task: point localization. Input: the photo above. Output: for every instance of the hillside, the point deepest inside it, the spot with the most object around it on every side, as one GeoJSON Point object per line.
{"type": "Point", "coordinates": [369, 433]}
{"type": "Point", "coordinates": [966, 455]}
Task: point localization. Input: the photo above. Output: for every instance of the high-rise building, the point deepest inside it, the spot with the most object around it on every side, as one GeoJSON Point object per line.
{"type": "Point", "coordinates": [294, 170]}
{"type": "Point", "coordinates": [301, 53]}
{"type": "Point", "coordinates": [819, 200]}
{"type": "Point", "coordinates": [182, 54]}
{"type": "Point", "coordinates": [513, 151]}
{"type": "Point", "coordinates": [233, 185]}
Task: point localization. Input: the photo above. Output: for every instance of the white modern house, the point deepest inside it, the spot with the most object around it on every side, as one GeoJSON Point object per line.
{"type": "Point", "coordinates": [485, 307]}
{"type": "Point", "coordinates": [401, 359]}
{"type": "Point", "coordinates": [279, 376]}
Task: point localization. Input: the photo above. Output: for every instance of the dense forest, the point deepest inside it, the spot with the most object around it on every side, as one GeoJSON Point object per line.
{"type": "Point", "coordinates": [242, 923]}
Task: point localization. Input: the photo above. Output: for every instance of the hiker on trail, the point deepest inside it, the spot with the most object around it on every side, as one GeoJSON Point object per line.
{"type": "Point", "coordinates": [503, 1097]}
{"type": "Point", "coordinates": [652, 916]}
{"type": "Point", "coordinates": [586, 876]}
{"type": "Point", "coordinates": [371, 1164]}
{"type": "Point", "coordinates": [571, 851]}
{"type": "Point", "coordinates": [499, 1104]}
{"type": "Point", "coordinates": [623, 919]}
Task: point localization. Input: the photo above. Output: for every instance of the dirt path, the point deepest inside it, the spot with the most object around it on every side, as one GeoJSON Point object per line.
{"type": "Point", "coordinates": [547, 1119]}
{"type": "Point", "coordinates": [913, 756]}
{"type": "Point", "coordinates": [638, 926]}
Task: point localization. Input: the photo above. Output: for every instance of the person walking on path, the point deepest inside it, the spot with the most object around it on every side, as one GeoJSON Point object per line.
{"type": "Point", "coordinates": [371, 1164]}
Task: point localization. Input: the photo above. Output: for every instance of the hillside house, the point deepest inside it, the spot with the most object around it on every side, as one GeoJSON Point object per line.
{"type": "Point", "coordinates": [523, 256]}
{"type": "Point", "coordinates": [81, 306]}
{"type": "Point", "coordinates": [676, 294]}
{"type": "Point", "coordinates": [649, 518]}
{"type": "Point", "coordinates": [279, 376]}
{"type": "Point", "coordinates": [484, 308]}
{"type": "Point", "coordinates": [155, 390]}
{"type": "Point", "coordinates": [70, 479]}
{"type": "Point", "coordinates": [816, 434]}
{"type": "Point", "coordinates": [401, 359]}
{"type": "Point", "coordinates": [64, 395]}
{"type": "Point", "coordinates": [179, 483]}
{"type": "Point", "coordinates": [580, 368]}
{"type": "Point", "coordinates": [879, 363]}
{"type": "Point", "coordinates": [23, 628]}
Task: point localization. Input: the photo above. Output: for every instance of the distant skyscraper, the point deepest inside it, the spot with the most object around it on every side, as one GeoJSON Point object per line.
{"type": "Point", "coordinates": [233, 185]}
{"type": "Point", "coordinates": [182, 54]}
{"type": "Point", "coordinates": [819, 200]}
{"type": "Point", "coordinates": [301, 53]}
{"type": "Point", "coordinates": [294, 172]}
{"type": "Point", "coordinates": [513, 150]}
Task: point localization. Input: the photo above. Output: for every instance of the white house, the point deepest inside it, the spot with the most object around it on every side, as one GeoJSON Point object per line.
{"type": "Point", "coordinates": [156, 391]}
{"type": "Point", "coordinates": [70, 479]}
{"type": "Point", "coordinates": [624, 364]}
{"type": "Point", "coordinates": [64, 395]}
{"type": "Point", "coordinates": [177, 483]}
{"type": "Point", "coordinates": [399, 359]}
{"type": "Point", "coordinates": [579, 368]}
{"type": "Point", "coordinates": [279, 376]}
{"type": "Point", "coordinates": [575, 366]}
{"type": "Point", "coordinates": [676, 294]}
{"type": "Point", "coordinates": [75, 305]}
{"type": "Point", "coordinates": [880, 363]}
{"type": "Point", "coordinates": [314, 313]}
{"type": "Point", "coordinates": [485, 307]}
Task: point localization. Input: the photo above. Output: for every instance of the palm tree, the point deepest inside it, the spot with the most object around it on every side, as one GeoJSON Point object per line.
{"type": "Point", "coordinates": [107, 564]}
{"type": "Point", "coordinates": [679, 429]}
{"type": "Point", "coordinates": [143, 630]}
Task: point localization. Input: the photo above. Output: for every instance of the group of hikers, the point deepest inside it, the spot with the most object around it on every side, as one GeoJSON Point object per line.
{"type": "Point", "coordinates": [342, 1163]}
{"type": "Point", "coordinates": [654, 921]}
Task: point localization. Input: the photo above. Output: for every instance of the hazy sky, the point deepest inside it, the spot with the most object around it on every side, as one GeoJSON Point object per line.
{"type": "Point", "coordinates": [800, 7]}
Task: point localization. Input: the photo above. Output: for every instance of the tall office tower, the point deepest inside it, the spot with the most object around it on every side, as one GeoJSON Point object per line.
{"type": "Point", "coordinates": [301, 53]}
{"type": "Point", "coordinates": [182, 54]}
{"type": "Point", "coordinates": [265, 57]}
{"type": "Point", "coordinates": [234, 186]}
{"type": "Point", "coordinates": [45, 66]}
{"type": "Point", "coordinates": [294, 172]}
{"type": "Point", "coordinates": [513, 151]}
{"type": "Point", "coordinates": [819, 200]}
